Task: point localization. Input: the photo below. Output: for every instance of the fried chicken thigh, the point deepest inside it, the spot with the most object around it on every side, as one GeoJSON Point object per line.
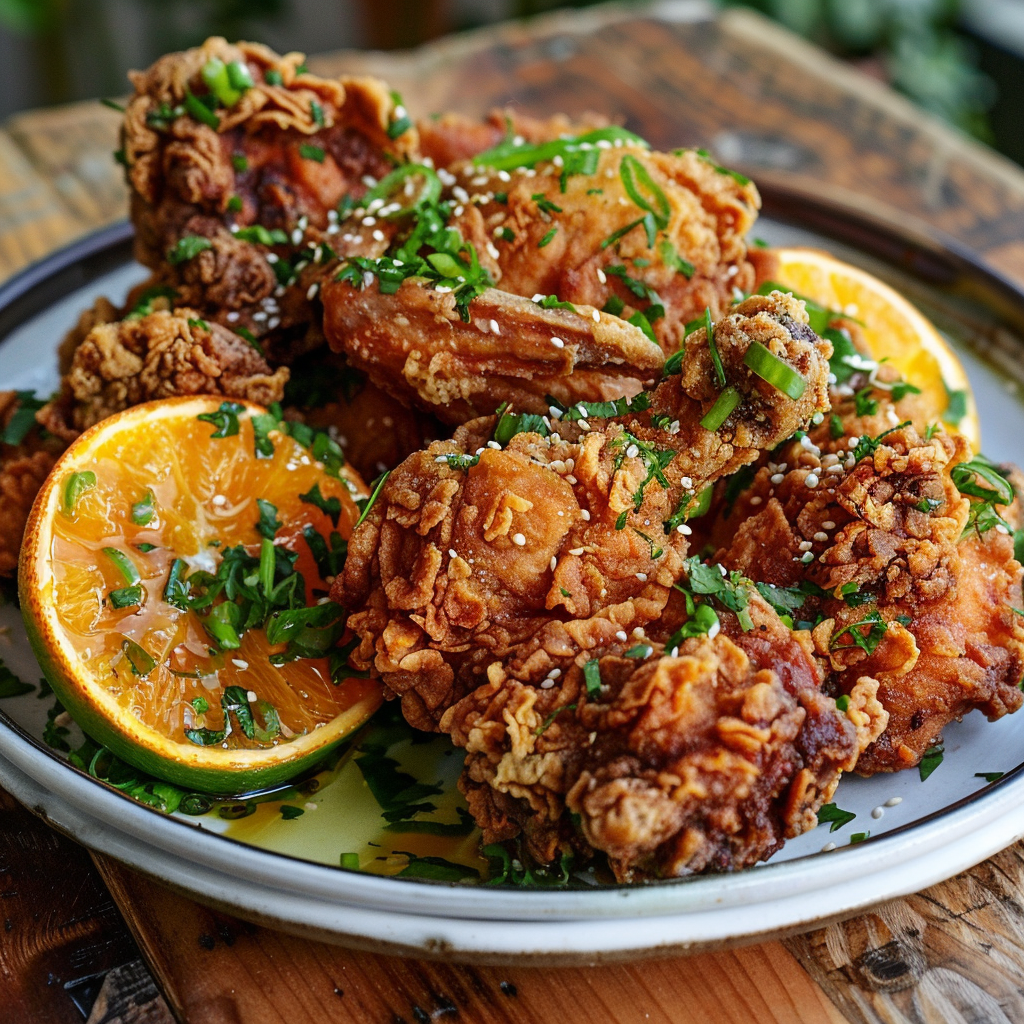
{"type": "Point", "coordinates": [911, 583]}
{"type": "Point", "coordinates": [706, 756]}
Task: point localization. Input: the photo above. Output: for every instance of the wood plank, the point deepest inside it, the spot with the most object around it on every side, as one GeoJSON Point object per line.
{"type": "Point", "coordinates": [218, 970]}
{"type": "Point", "coordinates": [61, 931]}
{"type": "Point", "coordinates": [954, 952]}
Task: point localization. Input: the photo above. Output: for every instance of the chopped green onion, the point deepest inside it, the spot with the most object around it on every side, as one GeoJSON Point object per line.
{"type": "Point", "coordinates": [716, 359]}
{"type": "Point", "coordinates": [674, 363]}
{"type": "Point", "coordinates": [200, 111]}
{"type": "Point", "coordinates": [392, 187]}
{"type": "Point", "coordinates": [644, 192]}
{"type": "Point", "coordinates": [592, 678]}
{"type": "Point", "coordinates": [722, 409]}
{"type": "Point", "coordinates": [372, 499]}
{"type": "Point", "coordinates": [317, 113]}
{"type": "Point", "coordinates": [144, 510]}
{"type": "Point", "coordinates": [124, 565]}
{"type": "Point", "coordinates": [215, 75]}
{"type": "Point", "coordinates": [771, 368]}
{"type": "Point", "coordinates": [239, 76]}
{"type": "Point", "coordinates": [77, 484]}
{"type": "Point", "coordinates": [240, 162]}
{"type": "Point", "coordinates": [509, 155]}
{"type": "Point", "coordinates": [308, 152]}
{"type": "Point", "coordinates": [186, 248]}
{"type": "Point", "coordinates": [273, 77]}
{"type": "Point", "coordinates": [547, 238]}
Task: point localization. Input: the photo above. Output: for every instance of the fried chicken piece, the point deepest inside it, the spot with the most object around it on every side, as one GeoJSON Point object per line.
{"type": "Point", "coordinates": [582, 237]}
{"type": "Point", "coordinates": [415, 345]}
{"type": "Point", "coordinates": [23, 468]}
{"type": "Point", "coordinates": [209, 186]}
{"type": "Point", "coordinates": [159, 355]}
{"type": "Point", "coordinates": [516, 553]}
{"type": "Point", "coordinates": [674, 763]}
{"type": "Point", "coordinates": [910, 586]}
{"type": "Point", "coordinates": [452, 137]}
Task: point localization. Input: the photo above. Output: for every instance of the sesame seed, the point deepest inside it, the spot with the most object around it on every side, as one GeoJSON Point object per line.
{"type": "Point", "coordinates": [492, 250]}
{"type": "Point", "coordinates": [495, 329]}
{"type": "Point", "coordinates": [518, 538]}
{"type": "Point", "coordinates": [585, 424]}
{"type": "Point", "coordinates": [585, 513]}
{"type": "Point", "coordinates": [684, 529]}
{"type": "Point", "coordinates": [852, 443]}
{"type": "Point", "coordinates": [777, 478]}
{"type": "Point", "coordinates": [378, 235]}
{"type": "Point", "coordinates": [576, 551]}
{"type": "Point", "coordinates": [602, 276]}
{"type": "Point", "coordinates": [554, 563]}
{"type": "Point", "coordinates": [621, 635]}
{"type": "Point", "coordinates": [632, 452]}
{"type": "Point", "coordinates": [251, 697]}
{"type": "Point", "coordinates": [821, 536]}
{"type": "Point", "coordinates": [547, 684]}
{"type": "Point", "coordinates": [554, 673]}
{"type": "Point", "coordinates": [452, 553]}
{"type": "Point", "coordinates": [755, 500]}
{"type": "Point", "coordinates": [828, 525]}
{"type": "Point", "coordinates": [642, 577]}
{"type": "Point", "coordinates": [828, 847]}
{"type": "Point", "coordinates": [597, 316]}
{"type": "Point", "coordinates": [558, 343]}
{"type": "Point", "coordinates": [811, 480]}
{"type": "Point", "coordinates": [807, 557]}
{"type": "Point", "coordinates": [686, 482]}
{"type": "Point", "coordinates": [238, 663]}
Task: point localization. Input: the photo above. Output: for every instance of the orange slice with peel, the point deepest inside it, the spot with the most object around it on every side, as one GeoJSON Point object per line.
{"type": "Point", "coordinates": [173, 580]}
{"type": "Point", "coordinates": [894, 329]}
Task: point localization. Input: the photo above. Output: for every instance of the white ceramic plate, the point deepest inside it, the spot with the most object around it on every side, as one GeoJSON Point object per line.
{"type": "Point", "coordinates": [285, 872]}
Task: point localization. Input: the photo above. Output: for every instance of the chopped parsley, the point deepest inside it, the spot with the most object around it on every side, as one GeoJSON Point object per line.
{"type": "Point", "coordinates": [956, 406]}
{"type": "Point", "coordinates": [11, 685]}
{"type": "Point", "coordinates": [834, 816]}
{"type": "Point", "coordinates": [601, 410]}
{"type": "Point", "coordinates": [23, 419]}
{"type": "Point", "coordinates": [329, 506]}
{"type": "Point", "coordinates": [239, 710]}
{"type": "Point", "coordinates": [732, 591]}
{"type": "Point", "coordinates": [932, 759]}
{"type": "Point", "coordinates": [866, 633]}
{"type": "Point", "coordinates": [225, 419]}
{"type": "Point", "coordinates": [989, 776]}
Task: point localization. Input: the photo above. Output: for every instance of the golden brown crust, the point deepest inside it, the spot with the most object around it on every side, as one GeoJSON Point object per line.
{"type": "Point", "coordinates": [710, 214]}
{"type": "Point", "coordinates": [892, 529]}
{"type": "Point", "coordinates": [163, 354]}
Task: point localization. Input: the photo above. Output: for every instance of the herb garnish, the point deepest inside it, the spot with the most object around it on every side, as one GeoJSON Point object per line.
{"type": "Point", "coordinates": [835, 816]}
{"type": "Point", "coordinates": [186, 248]}
{"type": "Point", "coordinates": [10, 684]}
{"type": "Point", "coordinates": [866, 633]}
{"type": "Point", "coordinates": [23, 419]}
{"type": "Point", "coordinates": [932, 759]}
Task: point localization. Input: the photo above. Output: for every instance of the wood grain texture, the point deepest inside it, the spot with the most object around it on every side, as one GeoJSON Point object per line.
{"type": "Point", "coordinates": [215, 969]}
{"type": "Point", "coordinates": [952, 953]}
{"type": "Point", "coordinates": [61, 932]}
{"type": "Point", "coordinates": [770, 105]}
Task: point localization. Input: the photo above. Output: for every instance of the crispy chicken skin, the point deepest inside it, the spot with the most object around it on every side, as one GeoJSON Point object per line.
{"type": "Point", "coordinates": [551, 234]}
{"type": "Point", "coordinates": [415, 345]}
{"type": "Point", "coordinates": [23, 468]}
{"type": "Point", "coordinates": [704, 758]}
{"type": "Point", "coordinates": [160, 355]}
{"type": "Point", "coordinates": [891, 528]}
{"type": "Point", "coordinates": [514, 555]}
{"type": "Point", "coordinates": [280, 158]}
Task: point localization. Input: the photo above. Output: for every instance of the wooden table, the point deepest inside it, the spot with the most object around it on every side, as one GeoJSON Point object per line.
{"type": "Point", "coordinates": [772, 106]}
